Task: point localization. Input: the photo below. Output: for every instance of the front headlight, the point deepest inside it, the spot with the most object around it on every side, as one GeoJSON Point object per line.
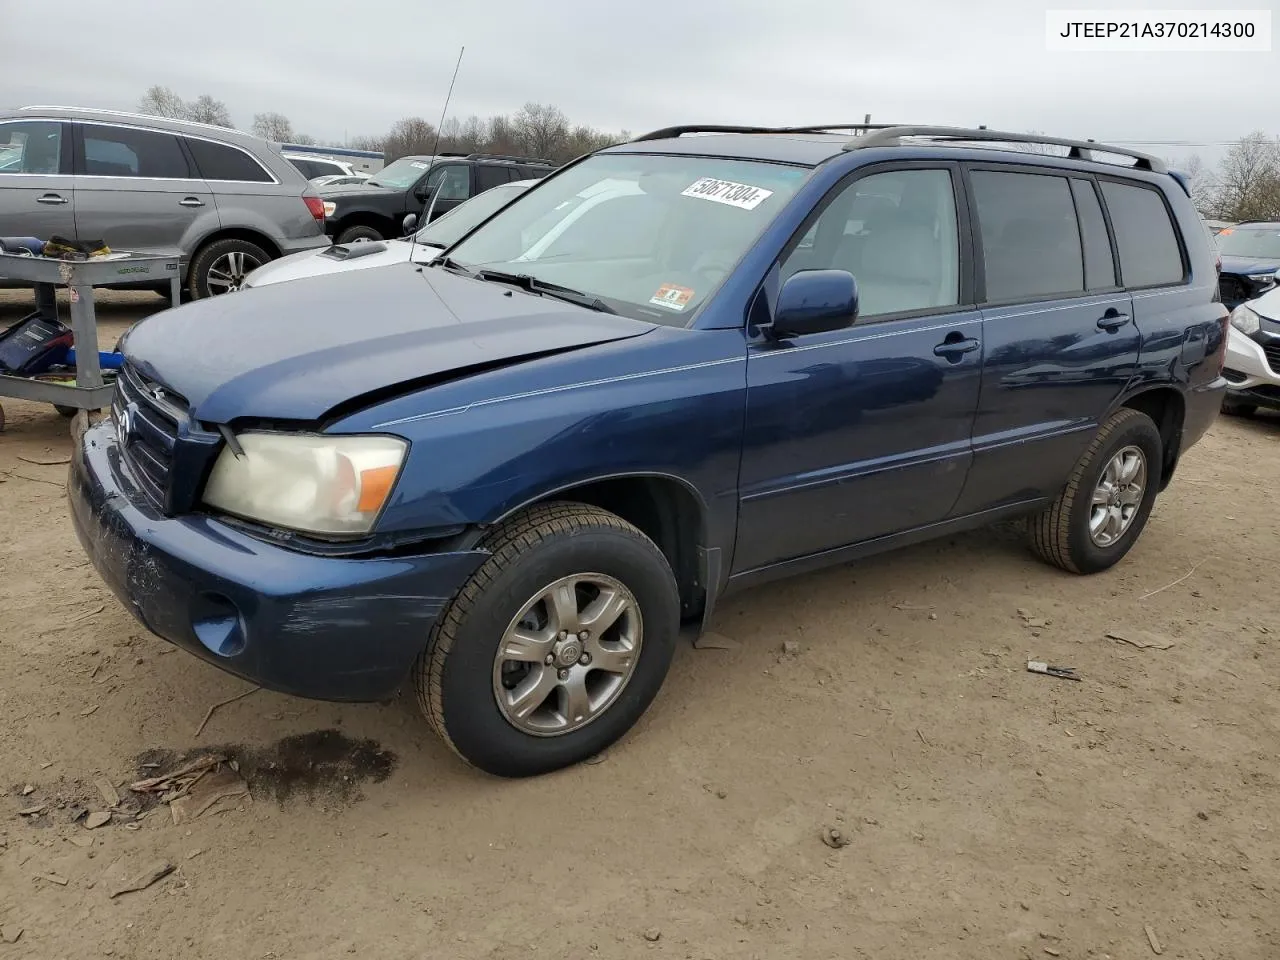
{"type": "Point", "coordinates": [1245, 320]}
{"type": "Point", "coordinates": [312, 483]}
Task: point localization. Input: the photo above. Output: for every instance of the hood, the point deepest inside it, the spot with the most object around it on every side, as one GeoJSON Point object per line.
{"type": "Point", "coordinates": [1242, 266]}
{"type": "Point", "coordinates": [313, 263]}
{"type": "Point", "coordinates": [1267, 305]}
{"type": "Point", "coordinates": [294, 351]}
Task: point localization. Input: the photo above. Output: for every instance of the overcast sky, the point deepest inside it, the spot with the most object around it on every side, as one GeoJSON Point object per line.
{"type": "Point", "coordinates": [339, 67]}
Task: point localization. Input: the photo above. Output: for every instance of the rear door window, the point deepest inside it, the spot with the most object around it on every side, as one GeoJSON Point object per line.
{"type": "Point", "coordinates": [129, 152]}
{"type": "Point", "coordinates": [218, 161]}
{"type": "Point", "coordinates": [1030, 237]}
{"type": "Point", "coordinates": [1150, 254]}
{"type": "Point", "coordinates": [489, 175]}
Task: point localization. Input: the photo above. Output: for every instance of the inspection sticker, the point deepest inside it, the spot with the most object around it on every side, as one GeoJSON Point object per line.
{"type": "Point", "coordinates": [672, 297]}
{"type": "Point", "coordinates": [741, 195]}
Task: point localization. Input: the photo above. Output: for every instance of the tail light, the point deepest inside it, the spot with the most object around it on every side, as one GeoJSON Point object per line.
{"type": "Point", "coordinates": [316, 206]}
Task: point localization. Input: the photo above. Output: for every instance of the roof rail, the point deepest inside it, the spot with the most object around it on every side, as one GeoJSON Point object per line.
{"type": "Point", "coordinates": [667, 133]}
{"type": "Point", "coordinates": [499, 156]}
{"type": "Point", "coordinates": [102, 111]}
{"type": "Point", "coordinates": [1078, 149]}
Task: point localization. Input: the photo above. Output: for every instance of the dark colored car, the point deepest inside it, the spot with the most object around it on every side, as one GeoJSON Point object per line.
{"type": "Point", "coordinates": [1250, 258]}
{"type": "Point", "coordinates": [677, 368]}
{"type": "Point", "coordinates": [418, 186]}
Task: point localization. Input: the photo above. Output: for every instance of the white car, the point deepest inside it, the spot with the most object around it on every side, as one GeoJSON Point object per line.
{"type": "Point", "coordinates": [1253, 355]}
{"type": "Point", "coordinates": [429, 241]}
{"type": "Point", "coordinates": [312, 166]}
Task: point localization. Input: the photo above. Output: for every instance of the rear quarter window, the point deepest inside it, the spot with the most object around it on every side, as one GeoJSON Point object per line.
{"type": "Point", "coordinates": [1150, 254]}
{"type": "Point", "coordinates": [217, 161]}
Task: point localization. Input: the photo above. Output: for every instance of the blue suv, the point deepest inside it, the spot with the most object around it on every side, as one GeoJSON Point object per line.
{"type": "Point", "coordinates": [676, 368]}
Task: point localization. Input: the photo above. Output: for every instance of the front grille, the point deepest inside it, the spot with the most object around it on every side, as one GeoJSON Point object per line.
{"type": "Point", "coordinates": [1231, 289]}
{"type": "Point", "coordinates": [147, 417]}
{"type": "Point", "coordinates": [1272, 350]}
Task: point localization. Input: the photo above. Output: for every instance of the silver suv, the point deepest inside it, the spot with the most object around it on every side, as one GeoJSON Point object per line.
{"type": "Point", "coordinates": [223, 201]}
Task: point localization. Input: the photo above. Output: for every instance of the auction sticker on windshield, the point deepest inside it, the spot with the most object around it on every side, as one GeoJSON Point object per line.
{"type": "Point", "coordinates": [740, 195]}
{"type": "Point", "coordinates": [672, 297]}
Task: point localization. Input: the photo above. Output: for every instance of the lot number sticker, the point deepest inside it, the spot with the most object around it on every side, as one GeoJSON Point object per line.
{"type": "Point", "coordinates": [740, 195]}
{"type": "Point", "coordinates": [672, 297]}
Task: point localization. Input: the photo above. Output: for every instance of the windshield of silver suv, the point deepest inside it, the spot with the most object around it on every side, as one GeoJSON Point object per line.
{"type": "Point", "coordinates": [401, 174]}
{"type": "Point", "coordinates": [1261, 241]}
{"type": "Point", "coordinates": [643, 235]}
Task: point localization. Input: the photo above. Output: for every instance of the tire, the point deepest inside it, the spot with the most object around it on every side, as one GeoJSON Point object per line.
{"type": "Point", "coordinates": [1235, 408]}
{"type": "Point", "coordinates": [458, 677]}
{"type": "Point", "coordinates": [238, 256]}
{"type": "Point", "coordinates": [1062, 534]}
{"type": "Point", "coordinates": [352, 234]}
{"type": "Point", "coordinates": [67, 412]}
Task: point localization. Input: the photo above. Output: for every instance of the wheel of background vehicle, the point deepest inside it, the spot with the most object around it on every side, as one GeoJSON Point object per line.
{"type": "Point", "coordinates": [555, 647]}
{"type": "Point", "coordinates": [1233, 408]}
{"type": "Point", "coordinates": [352, 234]}
{"type": "Point", "coordinates": [67, 412]}
{"type": "Point", "coordinates": [221, 266]}
{"type": "Point", "coordinates": [1100, 513]}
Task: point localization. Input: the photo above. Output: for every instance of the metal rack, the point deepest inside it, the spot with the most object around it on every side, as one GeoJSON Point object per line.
{"type": "Point", "coordinates": [81, 276]}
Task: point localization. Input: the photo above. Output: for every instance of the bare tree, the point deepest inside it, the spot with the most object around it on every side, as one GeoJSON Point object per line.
{"type": "Point", "coordinates": [1202, 185]}
{"type": "Point", "coordinates": [161, 101]}
{"type": "Point", "coordinates": [205, 109]}
{"type": "Point", "coordinates": [1248, 186]}
{"type": "Point", "coordinates": [540, 129]}
{"type": "Point", "coordinates": [304, 139]}
{"type": "Point", "coordinates": [410, 136]}
{"type": "Point", "coordinates": [366, 143]}
{"type": "Point", "coordinates": [273, 126]}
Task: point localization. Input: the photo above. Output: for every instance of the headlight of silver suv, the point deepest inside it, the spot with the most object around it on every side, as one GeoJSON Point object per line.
{"type": "Point", "coordinates": [312, 483]}
{"type": "Point", "coordinates": [1245, 320]}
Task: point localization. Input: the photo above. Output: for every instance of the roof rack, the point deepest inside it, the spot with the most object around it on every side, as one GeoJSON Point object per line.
{"type": "Point", "coordinates": [667, 133]}
{"type": "Point", "coordinates": [499, 156]}
{"type": "Point", "coordinates": [1078, 149]}
{"type": "Point", "coordinates": [103, 112]}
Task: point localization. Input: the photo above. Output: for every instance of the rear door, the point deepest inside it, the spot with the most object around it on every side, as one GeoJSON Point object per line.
{"type": "Point", "coordinates": [37, 195]}
{"type": "Point", "coordinates": [1061, 342]}
{"type": "Point", "coordinates": [136, 189]}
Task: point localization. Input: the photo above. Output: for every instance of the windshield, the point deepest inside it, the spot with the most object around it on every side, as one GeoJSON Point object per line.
{"type": "Point", "coordinates": [1261, 242]}
{"type": "Point", "coordinates": [651, 236]}
{"type": "Point", "coordinates": [450, 227]}
{"type": "Point", "coordinates": [401, 174]}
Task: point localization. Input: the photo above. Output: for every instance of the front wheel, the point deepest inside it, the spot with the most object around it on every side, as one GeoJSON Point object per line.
{"type": "Point", "coordinates": [555, 647]}
{"type": "Point", "coordinates": [222, 266]}
{"type": "Point", "coordinates": [1102, 510]}
{"type": "Point", "coordinates": [1238, 408]}
{"type": "Point", "coordinates": [352, 234]}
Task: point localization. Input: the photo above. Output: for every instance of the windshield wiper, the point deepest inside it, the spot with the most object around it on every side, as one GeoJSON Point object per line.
{"type": "Point", "coordinates": [453, 266]}
{"type": "Point", "coordinates": [534, 285]}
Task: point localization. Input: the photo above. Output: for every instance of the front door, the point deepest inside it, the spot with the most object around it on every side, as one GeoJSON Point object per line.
{"type": "Point", "coordinates": [37, 198]}
{"type": "Point", "coordinates": [136, 189]}
{"type": "Point", "coordinates": [1061, 340]}
{"type": "Point", "coordinates": [864, 432]}
{"type": "Point", "coordinates": [446, 186]}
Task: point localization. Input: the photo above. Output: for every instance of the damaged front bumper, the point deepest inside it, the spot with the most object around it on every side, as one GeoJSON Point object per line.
{"type": "Point", "coordinates": [323, 627]}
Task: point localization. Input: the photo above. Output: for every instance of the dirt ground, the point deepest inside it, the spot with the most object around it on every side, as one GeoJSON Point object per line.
{"type": "Point", "coordinates": [990, 812]}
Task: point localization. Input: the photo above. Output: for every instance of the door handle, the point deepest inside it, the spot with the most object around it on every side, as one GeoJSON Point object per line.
{"type": "Point", "coordinates": [1113, 319]}
{"type": "Point", "coordinates": [191, 202]}
{"type": "Point", "coordinates": [52, 198]}
{"type": "Point", "coordinates": [955, 347]}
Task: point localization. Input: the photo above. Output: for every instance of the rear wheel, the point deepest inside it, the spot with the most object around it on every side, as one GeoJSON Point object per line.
{"type": "Point", "coordinates": [555, 647]}
{"type": "Point", "coordinates": [352, 234]}
{"type": "Point", "coordinates": [221, 267]}
{"type": "Point", "coordinates": [1102, 510]}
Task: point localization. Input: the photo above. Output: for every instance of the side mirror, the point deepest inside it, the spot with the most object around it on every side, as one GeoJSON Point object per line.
{"type": "Point", "coordinates": [408, 223]}
{"type": "Point", "coordinates": [814, 301]}
{"type": "Point", "coordinates": [422, 193]}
